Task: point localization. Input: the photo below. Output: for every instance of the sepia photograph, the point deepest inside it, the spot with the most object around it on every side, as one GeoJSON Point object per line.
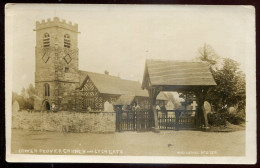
{"type": "Point", "coordinates": [130, 83]}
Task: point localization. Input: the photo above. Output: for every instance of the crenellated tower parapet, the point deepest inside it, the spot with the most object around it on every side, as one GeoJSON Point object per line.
{"type": "Point", "coordinates": [56, 22]}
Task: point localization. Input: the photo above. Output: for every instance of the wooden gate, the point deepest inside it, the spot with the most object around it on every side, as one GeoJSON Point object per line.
{"type": "Point", "coordinates": [144, 120]}
{"type": "Point", "coordinates": [176, 119]}
{"type": "Point", "coordinates": [125, 120]}
{"type": "Point", "coordinates": [139, 120]}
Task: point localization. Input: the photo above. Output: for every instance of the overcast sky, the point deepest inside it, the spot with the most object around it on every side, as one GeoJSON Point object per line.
{"type": "Point", "coordinates": [119, 38]}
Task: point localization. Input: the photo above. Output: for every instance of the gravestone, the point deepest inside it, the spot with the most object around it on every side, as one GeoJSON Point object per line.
{"type": "Point", "coordinates": [53, 107]}
{"type": "Point", "coordinates": [194, 105]}
{"type": "Point", "coordinates": [169, 106]}
{"type": "Point", "coordinates": [232, 110]}
{"type": "Point", "coordinates": [15, 106]}
{"type": "Point", "coordinates": [207, 107]}
{"type": "Point", "coordinates": [108, 107]}
{"type": "Point", "coordinates": [137, 107]}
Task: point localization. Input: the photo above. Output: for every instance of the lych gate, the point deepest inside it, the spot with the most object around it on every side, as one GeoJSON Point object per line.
{"type": "Point", "coordinates": [182, 77]}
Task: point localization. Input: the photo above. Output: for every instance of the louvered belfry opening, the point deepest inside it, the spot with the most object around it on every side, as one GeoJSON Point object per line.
{"type": "Point", "coordinates": [177, 76]}
{"type": "Point", "coordinates": [46, 40]}
{"type": "Point", "coordinates": [67, 41]}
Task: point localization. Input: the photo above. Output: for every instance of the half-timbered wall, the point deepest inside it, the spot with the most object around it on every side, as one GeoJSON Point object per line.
{"type": "Point", "coordinates": [91, 96]}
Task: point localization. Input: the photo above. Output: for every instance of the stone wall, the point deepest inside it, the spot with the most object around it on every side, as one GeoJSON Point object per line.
{"type": "Point", "coordinates": [96, 122]}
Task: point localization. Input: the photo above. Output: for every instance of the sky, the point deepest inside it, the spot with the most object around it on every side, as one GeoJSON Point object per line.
{"type": "Point", "coordinates": [119, 38]}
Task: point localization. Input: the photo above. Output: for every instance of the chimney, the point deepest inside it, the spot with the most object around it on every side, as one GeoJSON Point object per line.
{"type": "Point", "coordinates": [106, 72]}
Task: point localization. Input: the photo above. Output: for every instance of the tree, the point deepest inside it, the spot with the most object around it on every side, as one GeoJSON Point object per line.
{"type": "Point", "coordinates": [26, 98]}
{"type": "Point", "coordinates": [230, 89]}
{"type": "Point", "coordinates": [208, 54]}
{"type": "Point", "coordinates": [31, 94]}
{"type": "Point", "coordinates": [15, 96]}
{"type": "Point", "coordinates": [188, 97]}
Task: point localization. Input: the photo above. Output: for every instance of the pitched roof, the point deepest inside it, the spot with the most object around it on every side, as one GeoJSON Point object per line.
{"type": "Point", "coordinates": [108, 84]}
{"type": "Point", "coordinates": [125, 100]}
{"type": "Point", "coordinates": [161, 72]}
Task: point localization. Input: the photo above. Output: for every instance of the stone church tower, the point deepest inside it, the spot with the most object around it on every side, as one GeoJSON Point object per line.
{"type": "Point", "coordinates": [56, 56]}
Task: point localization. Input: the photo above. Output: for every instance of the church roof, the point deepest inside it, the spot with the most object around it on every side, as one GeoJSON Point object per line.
{"type": "Point", "coordinates": [124, 100]}
{"type": "Point", "coordinates": [108, 84]}
{"type": "Point", "coordinates": [176, 73]}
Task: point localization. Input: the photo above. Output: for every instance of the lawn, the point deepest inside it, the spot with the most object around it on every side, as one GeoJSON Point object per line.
{"type": "Point", "coordinates": [165, 143]}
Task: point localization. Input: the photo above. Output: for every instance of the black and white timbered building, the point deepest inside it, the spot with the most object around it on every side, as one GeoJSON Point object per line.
{"type": "Point", "coordinates": [96, 89]}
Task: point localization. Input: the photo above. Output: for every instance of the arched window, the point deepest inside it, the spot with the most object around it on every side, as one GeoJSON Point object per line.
{"type": "Point", "coordinates": [67, 41]}
{"type": "Point", "coordinates": [46, 89]}
{"type": "Point", "coordinates": [46, 40]}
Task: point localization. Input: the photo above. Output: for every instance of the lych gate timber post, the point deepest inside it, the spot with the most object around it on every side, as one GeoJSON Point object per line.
{"type": "Point", "coordinates": [153, 92]}
{"type": "Point", "coordinates": [180, 77]}
{"type": "Point", "coordinates": [200, 98]}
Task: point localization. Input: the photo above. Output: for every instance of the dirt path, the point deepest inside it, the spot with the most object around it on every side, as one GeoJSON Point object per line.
{"type": "Point", "coordinates": [166, 143]}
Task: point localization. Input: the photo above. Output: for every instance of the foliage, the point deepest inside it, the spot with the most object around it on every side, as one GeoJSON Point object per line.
{"type": "Point", "coordinates": [208, 54]}
{"type": "Point", "coordinates": [175, 99]}
{"type": "Point", "coordinates": [230, 89]}
{"type": "Point", "coordinates": [189, 97]}
{"type": "Point", "coordinates": [234, 119]}
{"type": "Point", "coordinates": [216, 119]}
{"type": "Point", "coordinates": [220, 119]}
{"type": "Point", "coordinates": [26, 98]}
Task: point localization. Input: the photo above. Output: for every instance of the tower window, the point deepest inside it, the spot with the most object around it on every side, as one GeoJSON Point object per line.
{"type": "Point", "coordinates": [66, 69]}
{"type": "Point", "coordinates": [67, 41]}
{"type": "Point", "coordinates": [46, 89]}
{"type": "Point", "coordinates": [46, 40]}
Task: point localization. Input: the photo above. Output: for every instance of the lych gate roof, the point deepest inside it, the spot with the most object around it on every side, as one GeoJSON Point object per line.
{"type": "Point", "coordinates": [175, 73]}
{"type": "Point", "coordinates": [108, 84]}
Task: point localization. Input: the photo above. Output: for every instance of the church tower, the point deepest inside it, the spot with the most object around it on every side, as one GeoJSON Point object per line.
{"type": "Point", "coordinates": [56, 57]}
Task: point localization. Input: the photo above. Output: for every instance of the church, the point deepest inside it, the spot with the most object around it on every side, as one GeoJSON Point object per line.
{"type": "Point", "coordinates": [60, 85]}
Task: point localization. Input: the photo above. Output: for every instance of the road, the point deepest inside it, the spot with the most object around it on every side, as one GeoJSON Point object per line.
{"type": "Point", "coordinates": [165, 143]}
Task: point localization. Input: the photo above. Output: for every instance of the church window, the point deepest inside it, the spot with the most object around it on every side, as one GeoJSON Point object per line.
{"type": "Point", "coordinates": [46, 89]}
{"type": "Point", "coordinates": [67, 41]}
{"type": "Point", "coordinates": [46, 40]}
{"type": "Point", "coordinates": [88, 102]}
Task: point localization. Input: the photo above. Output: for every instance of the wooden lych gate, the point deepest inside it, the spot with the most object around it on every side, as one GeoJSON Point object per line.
{"type": "Point", "coordinates": [181, 77]}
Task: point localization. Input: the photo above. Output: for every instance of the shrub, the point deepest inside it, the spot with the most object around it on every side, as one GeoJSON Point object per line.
{"type": "Point", "coordinates": [219, 119]}
{"type": "Point", "coordinates": [235, 119]}
{"type": "Point", "coordinates": [216, 119]}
